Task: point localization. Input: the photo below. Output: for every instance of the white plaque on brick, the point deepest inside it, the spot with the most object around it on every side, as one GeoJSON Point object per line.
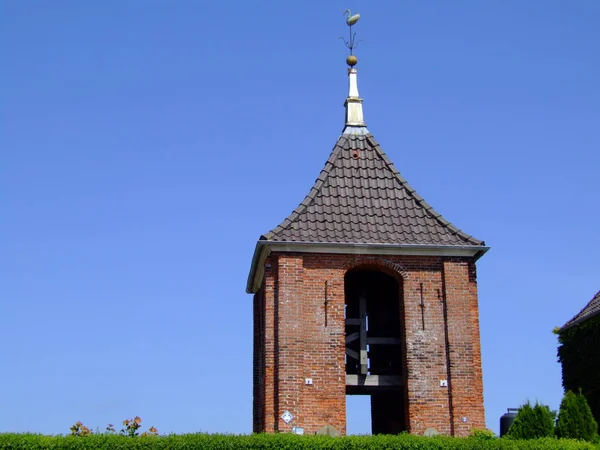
{"type": "Point", "coordinates": [287, 417]}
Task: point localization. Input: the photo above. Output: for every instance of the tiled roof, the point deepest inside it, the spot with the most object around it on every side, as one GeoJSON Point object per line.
{"type": "Point", "coordinates": [592, 309]}
{"type": "Point", "coordinates": [360, 197]}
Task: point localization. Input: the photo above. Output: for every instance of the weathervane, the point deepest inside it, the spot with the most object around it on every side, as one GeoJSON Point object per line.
{"type": "Point", "coordinates": [351, 42]}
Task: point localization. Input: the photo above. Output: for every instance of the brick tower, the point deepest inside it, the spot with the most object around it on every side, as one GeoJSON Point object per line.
{"type": "Point", "coordinates": [364, 289]}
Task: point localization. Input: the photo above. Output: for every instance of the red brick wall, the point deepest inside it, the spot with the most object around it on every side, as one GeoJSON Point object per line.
{"type": "Point", "coordinates": [298, 337]}
{"type": "Point", "coordinates": [465, 347]}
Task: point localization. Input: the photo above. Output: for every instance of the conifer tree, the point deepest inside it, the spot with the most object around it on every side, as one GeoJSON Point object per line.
{"type": "Point", "coordinates": [532, 422]}
{"type": "Point", "coordinates": [575, 419]}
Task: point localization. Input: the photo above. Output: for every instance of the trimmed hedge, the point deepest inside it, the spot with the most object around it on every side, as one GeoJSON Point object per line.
{"type": "Point", "coordinates": [279, 442]}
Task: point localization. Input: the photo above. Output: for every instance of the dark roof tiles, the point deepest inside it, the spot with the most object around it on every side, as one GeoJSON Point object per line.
{"type": "Point", "coordinates": [592, 309]}
{"type": "Point", "coordinates": [360, 197]}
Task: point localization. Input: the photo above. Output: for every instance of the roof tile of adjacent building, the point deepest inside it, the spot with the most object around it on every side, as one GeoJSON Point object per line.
{"type": "Point", "coordinates": [592, 309]}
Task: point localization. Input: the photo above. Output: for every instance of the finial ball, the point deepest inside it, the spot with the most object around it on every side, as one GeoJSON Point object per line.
{"type": "Point", "coordinates": [351, 60]}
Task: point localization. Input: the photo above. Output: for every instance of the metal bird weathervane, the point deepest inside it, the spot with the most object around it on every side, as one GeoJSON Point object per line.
{"type": "Point", "coordinates": [351, 43]}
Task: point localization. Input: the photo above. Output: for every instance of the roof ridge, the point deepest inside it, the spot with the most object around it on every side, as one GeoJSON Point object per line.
{"type": "Point", "coordinates": [412, 192]}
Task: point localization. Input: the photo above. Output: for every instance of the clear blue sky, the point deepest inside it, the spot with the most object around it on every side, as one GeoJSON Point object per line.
{"type": "Point", "coordinates": [146, 145]}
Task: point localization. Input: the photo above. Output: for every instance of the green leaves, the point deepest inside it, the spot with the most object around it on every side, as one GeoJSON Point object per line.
{"type": "Point", "coordinates": [532, 422]}
{"type": "Point", "coordinates": [279, 442]}
{"type": "Point", "coordinates": [578, 353]}
{"type": "Point", "coordinates": [575, 419]}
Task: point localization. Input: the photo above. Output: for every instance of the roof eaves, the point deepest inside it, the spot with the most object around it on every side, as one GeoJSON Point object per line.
{"type": "Point", "coordinates": [265, 247]}
{"type": "Point", "coordinates": [574, 322]}
{"type": "Point", "coordinates": [593, 307]}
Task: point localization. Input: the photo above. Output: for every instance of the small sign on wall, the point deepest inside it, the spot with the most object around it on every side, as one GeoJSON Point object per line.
{"type": "Point", "coordinates": [287, 417]}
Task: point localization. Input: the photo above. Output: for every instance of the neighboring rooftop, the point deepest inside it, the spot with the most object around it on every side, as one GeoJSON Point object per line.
{"type": "Point", "coordinates": [592, 309]}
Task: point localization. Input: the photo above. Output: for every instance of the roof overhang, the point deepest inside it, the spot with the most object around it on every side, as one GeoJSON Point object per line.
{"type": "Point", "coordinates": [573, 323]}
{"type": "Point", "coordinates": [264, 248]}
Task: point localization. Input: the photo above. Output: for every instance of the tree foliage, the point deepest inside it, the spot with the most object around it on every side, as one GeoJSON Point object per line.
{"type": "Point", "coordinates": [532, 422]}
{"type": "Point", "coordinates": [578, 353]}
{"type": "Point", "coordinates": [575, 419]}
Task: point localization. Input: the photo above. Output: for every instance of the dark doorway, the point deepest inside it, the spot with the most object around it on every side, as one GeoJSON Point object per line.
{"type": "Point", "coordinates": [375, 346]}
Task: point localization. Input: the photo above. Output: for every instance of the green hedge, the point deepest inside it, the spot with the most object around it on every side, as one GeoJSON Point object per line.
{"type": "Point", "coordinates": [278, 442]}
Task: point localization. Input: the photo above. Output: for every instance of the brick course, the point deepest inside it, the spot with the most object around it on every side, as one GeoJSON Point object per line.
{"type": "Point", "coordinates": [298, 336]}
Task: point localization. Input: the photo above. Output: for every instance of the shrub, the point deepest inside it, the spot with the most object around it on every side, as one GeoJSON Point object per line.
{"type": "Point", "coordinates": [484, 434]}
{"type": "Point", "coordinates": [575, 419]}
{"type": "Point", "coordinates": [281, 441]}
{"type": "Point", "coordinates": [79, 429]}
{"type": "Point", "coordinates": [580, 359]}
{"type": "Point", "coordinates": [532, 422]}
{"type": "Point", "coordinates": [131, 429]}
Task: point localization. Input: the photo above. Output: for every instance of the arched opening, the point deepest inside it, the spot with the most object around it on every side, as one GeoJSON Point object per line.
{"type": "Point", "coordinates": [375, 350]}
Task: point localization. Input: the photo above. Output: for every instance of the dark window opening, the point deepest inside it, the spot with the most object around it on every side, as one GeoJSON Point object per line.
{"type": "Point", "coordinates": [375, 346]}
